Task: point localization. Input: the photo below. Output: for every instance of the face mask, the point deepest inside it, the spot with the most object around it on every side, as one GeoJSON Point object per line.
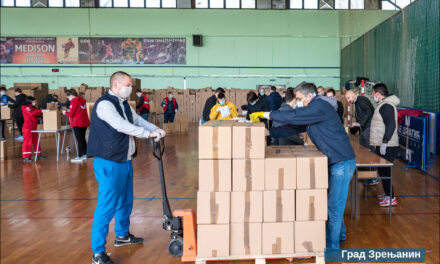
{"type": "Point", "coordinates": [261, 94]}
{"type": "Point", "coordinates": [33, 103]}
{"type": "Point", "coordinates": [375, 99]}
{"type": "Point", "coordinates": [253, 103]}
{"type": "Point", "coordinates": [125, 91]}
{"type": "Point", "coordinates": [3, 93]}
{"type": "Point", "coordinates": [300, 104]}
{"type": "Point", "coordinates": [222, 102]}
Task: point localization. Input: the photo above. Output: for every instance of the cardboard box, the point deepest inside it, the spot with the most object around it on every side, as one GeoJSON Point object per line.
{"type": "Point", "coordinates": [278, 238]}
{"type": "Point", "coordinates": [245, 239]}
{"type": "Point", "coordinates": [52, 106]}
{"type": "Point", "coordinates": [6, 113]}
{"type": "Point", "coordinates": [213, 207]}
{"type": "Point", "coordinates": [89, 107]}
{"type": "Point", "coordinates": [3, 149]}
{"type": "Point", "coordinates": [249, 140]}
{"type": "Point", "coordinates": [309, 236]}
{"type": "Point", "coordinates": [311, 205]}
{"type": "Point", "coordinates": [215, 140]}
{"type": "Point", "coordinates": [215, 175]}
{"type": "Point", "coordinates": [279, 206]}
{"type": "Point", "coordinates": [212, 241]}
{"type": "Point", "coordinates": [307, 140]}
{"type": "Point", "coordinates": [280, 169]}
{"type": "Point", "coordinates": [311, 170]}
{"type": "Point", "coordinates": [51, 120]}
{"type": "Point", "coordinates": [247, 207]}
{"type": "Point", "coordinates": [168, 127]}
{"type": "Point", "coordinates": [247, 175]}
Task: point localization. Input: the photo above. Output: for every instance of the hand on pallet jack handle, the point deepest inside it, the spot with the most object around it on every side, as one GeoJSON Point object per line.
{"type": "Point", "coordinates": [158, 147]}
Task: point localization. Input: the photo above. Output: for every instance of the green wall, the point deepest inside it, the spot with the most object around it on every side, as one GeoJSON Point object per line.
{"type": "Point", "coordinates": [241, 48]}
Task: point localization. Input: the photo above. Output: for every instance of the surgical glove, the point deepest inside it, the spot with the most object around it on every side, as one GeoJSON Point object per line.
{"type": "Point", "coordinates": [383, 149]}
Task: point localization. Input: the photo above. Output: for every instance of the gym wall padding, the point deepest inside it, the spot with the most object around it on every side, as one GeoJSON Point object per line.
{"type": "Point", "coordinates": [402, 52]}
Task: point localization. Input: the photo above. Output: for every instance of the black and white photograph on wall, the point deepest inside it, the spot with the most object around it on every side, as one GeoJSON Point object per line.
{"type": "Point", "coordinates": [164, 50]}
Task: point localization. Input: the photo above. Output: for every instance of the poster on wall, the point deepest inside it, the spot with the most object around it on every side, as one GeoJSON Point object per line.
{"type": "Point", "coordinates": [164, 50]}
{"type": "Point", "coordinates": [67, 50]}
{"type": "Point", "coordinates": [132, 51]}
{"type": "Point", "coordinates": [34, 51]}
{"type": "Point", "coordinates": [6, 50]}
{"type": "Point", "coordinates": [100, 50]}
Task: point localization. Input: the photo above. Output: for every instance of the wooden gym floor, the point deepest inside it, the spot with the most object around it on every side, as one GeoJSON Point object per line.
{"type": "Point", "coordinates": [47, 208]}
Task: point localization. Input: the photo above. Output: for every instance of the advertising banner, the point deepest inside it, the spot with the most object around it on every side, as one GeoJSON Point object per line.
{"type": "Point", "coordinates": [34, 51]}
{"type": "Point", "coordinates": [6, 49]}
{"type": "Point", "coordinates": [67, 50]}
{"type": "Point", "coordinates": [164, 51]}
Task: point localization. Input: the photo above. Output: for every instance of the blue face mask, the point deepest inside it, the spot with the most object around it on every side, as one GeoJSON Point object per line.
{"type": "Point", "coordinates": [253, 103]}
{"type": "Point", "coordinates": [222, 102]}
{"type": "Point", "coordinates": [261, 93]}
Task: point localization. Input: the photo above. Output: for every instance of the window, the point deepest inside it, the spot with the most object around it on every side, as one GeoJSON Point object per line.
{"type": "Point", "coordinates": [169, 3]}
{"type": "Point", "coordinates": [201, 3]}
{"type": "Point", "coordinates": [72, 3]}
{"type": "Point", "coordinates": [55, 3]}
{"type": "Point", "coordinates": [137, 3]}
{"type": "Point", "coordinates": [247, 3]}
{"type": "Point", "coordinates": [402, 3]}
{"type": "Point", "coordinates": [23, 3]}
{"type": "Point", "coordinates": [105, 3]}
{"type": "Point", "coordinates": [152, 3]}
{"type": "Point", "coordinates": [296, 4]}
{"type": "Point", "coordinates": [216, 4]}
{"type": "Point", "coordinates": [310, 4]}
{"type": "Point", "coordinates": [341, 4]}
{"type": "Point", "coordinates": [120, 3]}
{"type": "Point", "coordinates": [232, 3]}
{"type": "Point", "coordinates": [357, 4]}
{"type": "Point", "coordinates": [7, 2]}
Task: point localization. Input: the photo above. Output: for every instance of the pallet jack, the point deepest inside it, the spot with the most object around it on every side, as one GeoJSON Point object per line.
{"type": "Point", "coordinates": [181, 223]}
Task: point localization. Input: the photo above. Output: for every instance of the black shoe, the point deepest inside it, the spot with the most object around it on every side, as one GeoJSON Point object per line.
{"type": "Point", "coordinates": [128, 240]}
{"type": "Point", "coordinates": [102, 258]}
{"type": "Point", "coordinates": [27, 160]}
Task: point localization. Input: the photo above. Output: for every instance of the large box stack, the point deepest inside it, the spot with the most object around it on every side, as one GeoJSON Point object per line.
{"type": "Point", "coordinates": [93, 93]}
{"type": "Point", "coordinates": [37, 90]}
{"type": "Point", "coordinates": [180, 125]}
{"type": "Point", "coordinates": [257, 200]}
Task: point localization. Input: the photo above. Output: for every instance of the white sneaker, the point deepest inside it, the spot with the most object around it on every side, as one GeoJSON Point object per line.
{"type": "Point", "coordinates": [84, 157]}
{"type": "Point", "coordinates": [76, 160]}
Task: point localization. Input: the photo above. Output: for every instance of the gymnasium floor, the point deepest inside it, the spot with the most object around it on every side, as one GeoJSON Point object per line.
{"type": "Point", "coordinates": [47, 208]}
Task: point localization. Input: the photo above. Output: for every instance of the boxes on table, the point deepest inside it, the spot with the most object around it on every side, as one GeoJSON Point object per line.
{"type": "Point", "coordinates": [52, 106]}
{"type": "Point", "coordinates": [6, 113]}
{"type": "Point", "coordinates": [51, 120]}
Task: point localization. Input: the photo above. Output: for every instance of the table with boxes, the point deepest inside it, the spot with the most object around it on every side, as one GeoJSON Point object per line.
{"type": "Point", "coordinates": [255, 200]}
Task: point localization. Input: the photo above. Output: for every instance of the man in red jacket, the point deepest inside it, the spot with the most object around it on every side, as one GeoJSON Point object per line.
{"type": "Point", "coordinates": [30, 113]}
{"type": "Point", "coordinates": [143, 105]}
{"type": "Point", "coordinates": [79, 121]}
{"type": "Point", "coordinates": [170, 108]}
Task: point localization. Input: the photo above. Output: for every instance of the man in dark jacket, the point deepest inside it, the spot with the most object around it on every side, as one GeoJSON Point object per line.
{"type": "Point", "coordinates": [20, 99]}
{"type": "Point", "coordinates": [328, 134]}
{"type": "Point", "coordinates": [331, 93]}
{"type": "Point", "coordinates": [4, 99]}
{"type": "Point", "coordinates": [50, 98]}
{"type": "Point", "coordinates": [210, 102]}
{"type": "Point", "coordinates": [170, 108]}
{"type": "Point", "coordinates": [274, 99]}
{"type": "Point", "coordinates": [364, 112]}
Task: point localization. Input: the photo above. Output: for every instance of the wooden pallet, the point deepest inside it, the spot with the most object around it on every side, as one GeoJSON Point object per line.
{"type": "Point", "coordinates": [261, 259]}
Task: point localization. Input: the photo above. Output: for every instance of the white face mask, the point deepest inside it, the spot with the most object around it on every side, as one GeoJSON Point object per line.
{"type": "Point", "coordinates": [125, 91]}
{"type": "Point", "coordinates": [2, 93]}
{"type": "Point", "coordinates": [300, 103]}
{"type": "Point", "coordinates": [33, 103]}
{"type": "Point", "coordinates": [375, 99]}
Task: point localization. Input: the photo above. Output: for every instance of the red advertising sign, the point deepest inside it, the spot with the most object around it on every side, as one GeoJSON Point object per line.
{"type": "Point", "coordinates": [35, 51]}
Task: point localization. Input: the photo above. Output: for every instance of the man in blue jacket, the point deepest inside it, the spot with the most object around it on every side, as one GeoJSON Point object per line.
{"type": "Point", "coordinates": [4, 102]}
{"type": "Point", "coordinates": [326, 131]}
{"type": "Point", "coordinates": [274, 99]}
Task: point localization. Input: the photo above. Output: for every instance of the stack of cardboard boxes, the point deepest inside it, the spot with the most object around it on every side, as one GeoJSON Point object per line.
{"type": "Point", "coordinates": [257, 200]}
{"type": "Point", "coordinates": [180, 125]}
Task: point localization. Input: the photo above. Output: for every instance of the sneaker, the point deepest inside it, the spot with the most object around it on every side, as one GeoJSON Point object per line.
{"type": "Point", "coordinates": [373, 182]}
{"type": "Point", "coordinates": [102, 258]}
{"type": "Point", "coordinates": [128, 240]}
{"type": "Point", "coordinates": [84, 157]}
{"type": "Point", "coordinates": [19, 138]}
{"type": "Point", "coordinates": [381, 196]}
{"type": "Point", "coordinates": [76, 160]}
{"type": "Point", "coordinates": [386, 201]}
{"type": "Point", "coordinates": [27, 160]}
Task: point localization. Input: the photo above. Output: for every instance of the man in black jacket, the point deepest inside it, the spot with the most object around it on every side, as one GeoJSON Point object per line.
{"type": "Point", "coordinates": [331, 93]}
{"type": "Point", "coordinates": [364, 113]}
{"type": "Point", "coordinates": [50, 98]}
{"type": "Point", "coordinates": [210, 102]}
{"type": "Point", "coordinates": [20, 99]}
